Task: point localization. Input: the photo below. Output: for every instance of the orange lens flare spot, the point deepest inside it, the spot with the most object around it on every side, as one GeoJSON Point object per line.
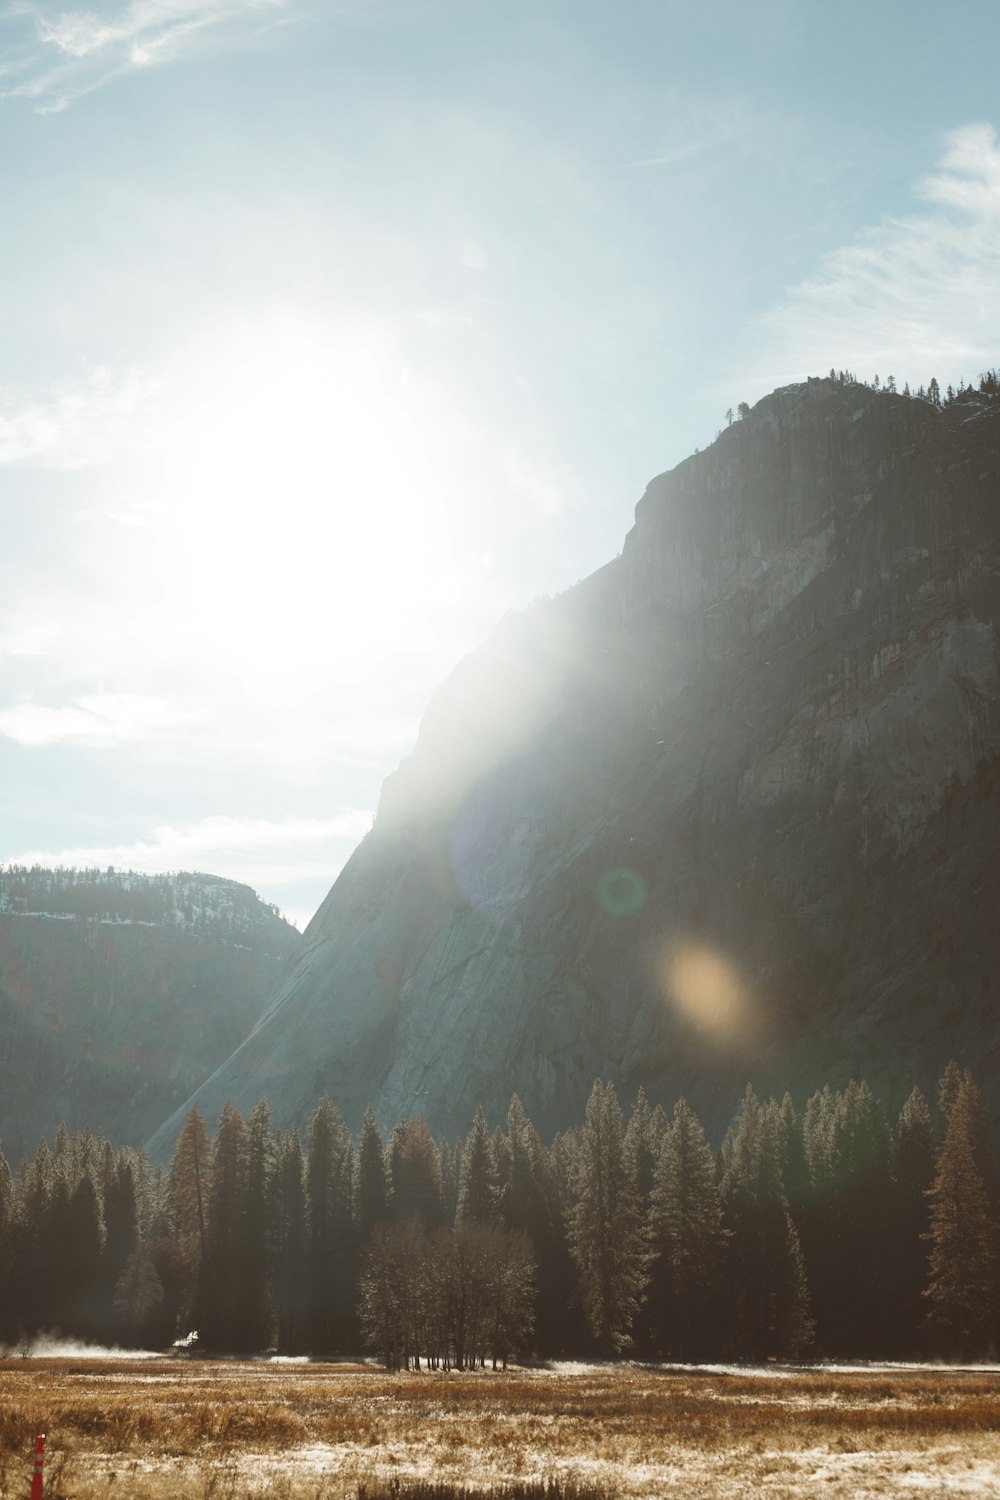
{"type": "Point", "coordinates": [707, 989]}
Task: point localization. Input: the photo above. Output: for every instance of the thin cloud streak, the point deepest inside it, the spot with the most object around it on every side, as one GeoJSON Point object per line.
{"type": "Point", "coordinates": [76, 425]}
{"type": "Point", "coordinates": [914, 297]}
{"type": "Point", "coordinates": [93, 48]}
{"type": "Point", "coordinates": [100, 720]}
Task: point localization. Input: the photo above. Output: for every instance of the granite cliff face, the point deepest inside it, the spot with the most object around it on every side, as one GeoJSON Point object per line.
{"type": "Point", "coordinates": [726, 810]}
{"type": "Point", "coordinates": [120, 993]}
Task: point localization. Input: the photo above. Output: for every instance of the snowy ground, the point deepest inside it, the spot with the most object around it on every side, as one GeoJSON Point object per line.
{"type": "Point", "coordinates": [190, 1429]}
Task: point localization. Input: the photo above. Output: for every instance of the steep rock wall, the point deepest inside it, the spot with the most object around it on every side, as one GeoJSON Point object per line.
{"type": "Point", "coordinates": [725, 810]}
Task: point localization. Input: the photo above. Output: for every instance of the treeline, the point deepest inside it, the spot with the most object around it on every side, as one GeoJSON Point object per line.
{"type": "Point", "coordinates": [826, 1231]}
{"type": "Point", "coordinates": [988, 387]}
{"type": "Point", "coordinates": [201, 903]}
{"type": "Point", "coordinates": [966, 393]}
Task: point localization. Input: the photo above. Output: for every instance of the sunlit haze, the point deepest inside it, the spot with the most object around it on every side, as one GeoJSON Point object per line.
{"type": "Point", "coordinates": [332, 332]}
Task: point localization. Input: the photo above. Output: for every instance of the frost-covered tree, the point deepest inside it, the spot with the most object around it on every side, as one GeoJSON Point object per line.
{"type": "Point", "coordinates": [688, 1240]}
{"type": "Point", "coordinates": [962, 1290]}
{"type": "Point", "coordinates": [477, 1196]}
{"type": "Point", "coordinates": [765, 1270]}
{"type": "Point", "coordinates": [606, 1233]}
{"type": "Point", "coordinates": [372, 1205]}
{"type": "Point", "coordinates": [331, 1240]}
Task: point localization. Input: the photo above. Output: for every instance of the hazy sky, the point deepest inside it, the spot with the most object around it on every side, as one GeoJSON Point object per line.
{"type": "Point", "coordinates": [332, 329]}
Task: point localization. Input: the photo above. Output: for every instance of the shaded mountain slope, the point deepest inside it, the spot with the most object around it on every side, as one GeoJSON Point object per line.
{"type": "Point", "coordinates": [725, 810]}
{"type": "Point", "coordinates": [119, 993]}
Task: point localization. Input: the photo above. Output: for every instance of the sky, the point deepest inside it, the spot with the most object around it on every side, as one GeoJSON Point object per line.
{"type": "Point", "coordinates": [333, 330]}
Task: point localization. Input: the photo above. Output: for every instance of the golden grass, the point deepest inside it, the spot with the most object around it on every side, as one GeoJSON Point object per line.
{"type": "Point", "coordinates": [227, 1430]}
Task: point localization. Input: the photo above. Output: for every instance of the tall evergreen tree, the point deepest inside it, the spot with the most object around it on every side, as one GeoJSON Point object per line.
{"type": "Point", "coordinates": [770, 1304]}
{"type": "Point", "coordinates": [478, 1190]}
{"type": "Point", "coordinates": [606, 1233]}
{"type": "Point", "coordinates": [290, 1262]}
{"type": "Point", "coordinates": [962, 1291]}
{"type": "Point", "coordinates": [911, 1168]}
{"type": "Point", "coordinates": [219, 1282]}
{"type": "Point", "coordinates": [450, 1167]}
{"type": "Point", "coordinates": [254, 1316]}
{"type": "Point", "coordinates": [121, 1224]}
{"type": "Point", "coordinates": [83, 1260]}
{"type": "Point", "coordinates": [521, 1202]}
{"type": "Point", "coordinates": [948, 1086]}
{"type": "Point", "coordinates": [190, 1181]}
{"type": "Point", "coordinates": [688, 1240]}
{"type": "Point", "coordinates": [331, 1242]}
{"type": "Point", "coordinates": [416, 1174]}
{"type": "Point", "coordinates": [643, 1141]}
{"type": "Point", "coordinates": [8, 1250]}
{"type": "Point", "coordinates": [372, 1188]}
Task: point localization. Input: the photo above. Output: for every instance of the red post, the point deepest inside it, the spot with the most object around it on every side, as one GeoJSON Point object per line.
{"type": "Point", "coordinates": [36, 1478]}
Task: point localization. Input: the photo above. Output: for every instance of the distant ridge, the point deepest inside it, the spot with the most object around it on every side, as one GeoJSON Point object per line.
{"type": "Point", "coordinates": [119, 992]}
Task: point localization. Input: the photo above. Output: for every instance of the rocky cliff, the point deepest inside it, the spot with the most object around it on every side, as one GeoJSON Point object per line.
{"type": "Point", "coordinates": [119, 994]}
{"type": "Point", "coordinates": [726, 810]}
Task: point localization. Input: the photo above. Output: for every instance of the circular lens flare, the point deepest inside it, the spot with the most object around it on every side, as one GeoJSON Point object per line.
{"type": "Point", "coordinates": [622, 892]}
{"type": "Point", "coordinates": [707, 989]}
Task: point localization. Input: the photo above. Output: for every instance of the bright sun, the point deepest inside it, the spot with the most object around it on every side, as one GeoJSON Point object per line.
{"type": "Point", "coordinates": [308, 504]}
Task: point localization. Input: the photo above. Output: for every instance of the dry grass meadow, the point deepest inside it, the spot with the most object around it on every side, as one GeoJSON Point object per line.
{"type": "Point", "coordinates": [220, 1430]}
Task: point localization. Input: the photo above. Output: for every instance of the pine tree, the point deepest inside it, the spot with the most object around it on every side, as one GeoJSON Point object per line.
{"type": "Point", "coordinates": [331, 1242]}
{"type": "Point", "coordinates": [8, 1250]}
{"type": "Point", "coordinates": [478, 1190]}
{"type": "Point", "coordinates": [962, 1291]}
{"type": "Point", "coordinates": [416, 1174]}
{"type": "Point", "coordinates": [844, 1219]}
{"type": "Point", "coordinates": [138, 1293]}
{"type": "Point", "coordinates": [27, 1192]}
{"type": "Point", "coordinates": [948, 1086]}
{"type": "Point", "coordinates": [450, 1168]}
{"type": "Point", "coordinates": [689, 1241]}
{"type": "Point", "coordinates": [219, 1282]}
{"type": "Point", "coordinates": [191, 1175]}
{"type": "Point", "coordinates": [643, 1141]}
{"type": "Point", "coordinates": [254, 1315]}
{"type": "Point", "coordinates": [764, 1261]}
{"type": "Point", "coordinates": [911, 1168]}
{"type": "Point", "coordinates": [605, 1227]}
{"type": "Point", "coordinates": [121, 1224]}
{"type": "Point", "coordinates": [372, 1190]}
{"type": "Point", "coordinates": [521, 1202]}
{"type": "Point", "coordinates": [289, 1208]}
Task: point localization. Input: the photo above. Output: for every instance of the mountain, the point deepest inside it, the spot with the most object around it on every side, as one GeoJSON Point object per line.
{"type": "Point", "coordinates": [726, 810]}
{"type": "Point", "coordinates": [119, 994]}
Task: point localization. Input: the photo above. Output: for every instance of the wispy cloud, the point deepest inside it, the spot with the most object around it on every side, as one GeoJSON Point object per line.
{"type": "Point", "coordinates": [101, 720]}
{"type": "Point", "coordinates": [70, 53]}
{"type": "Point", "coordinates": [914, 296]}
{"type": "Point", "coordinates": [76, 424]}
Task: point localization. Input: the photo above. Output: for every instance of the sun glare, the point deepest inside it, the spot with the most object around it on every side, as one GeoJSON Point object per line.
{"type": "Point", "coordinates": [306, 506]}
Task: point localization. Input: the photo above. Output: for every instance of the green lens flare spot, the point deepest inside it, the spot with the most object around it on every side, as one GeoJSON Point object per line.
{"type": "Point", "coordinates": [622, 892]}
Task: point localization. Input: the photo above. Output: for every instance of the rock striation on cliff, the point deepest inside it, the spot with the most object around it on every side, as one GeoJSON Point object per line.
{"type": "Point", "coordinates": [726, 810]}
{"type": "Point", "coordinates": [120, 993]}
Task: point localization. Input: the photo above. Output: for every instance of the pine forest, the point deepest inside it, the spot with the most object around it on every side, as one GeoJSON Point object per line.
{"type": "Point", "coordinates": [825, 1232]}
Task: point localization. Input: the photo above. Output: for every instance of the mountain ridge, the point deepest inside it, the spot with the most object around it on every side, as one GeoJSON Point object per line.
{"type": "Point", "coordinates": [723, 755]}
{"type": "Point", "coordinates": [120, 992]}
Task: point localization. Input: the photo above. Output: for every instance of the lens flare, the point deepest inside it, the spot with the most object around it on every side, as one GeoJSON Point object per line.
{"type": "Point", "coordinates": [707, 989]}
{"type": "Point", "coordinates": [622, 892]}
